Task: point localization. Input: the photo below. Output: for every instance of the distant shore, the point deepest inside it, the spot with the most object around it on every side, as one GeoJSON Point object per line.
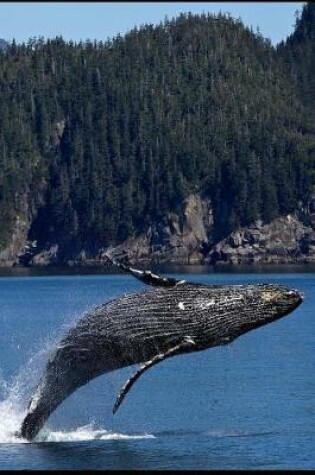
{"type": "Point", "coordinates": [32, 271]}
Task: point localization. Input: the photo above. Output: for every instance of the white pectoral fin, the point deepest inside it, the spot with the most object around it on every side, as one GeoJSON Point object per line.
{"type": "Point", "coordinates": [187, 342]}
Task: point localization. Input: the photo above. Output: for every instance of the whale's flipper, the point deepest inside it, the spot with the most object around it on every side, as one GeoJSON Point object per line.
{"type": "Point", "coordinates": [147, 277]}
{"type": "Point", "coordinates": [185, 344]}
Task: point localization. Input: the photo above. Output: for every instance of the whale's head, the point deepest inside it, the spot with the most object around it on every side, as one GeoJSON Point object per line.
{"type": "Point", "coordinates": [278, 301]}
{"type": "Point", "coordinates": [230, 311]}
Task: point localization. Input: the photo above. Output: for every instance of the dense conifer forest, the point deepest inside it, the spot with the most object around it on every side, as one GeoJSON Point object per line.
{"type": "Point", "coordinates": [100, 139]}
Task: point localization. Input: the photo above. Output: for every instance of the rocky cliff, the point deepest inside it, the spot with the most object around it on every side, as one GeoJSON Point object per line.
{"type": "Point", "coordinates": [186, 237]}
{"type": "Point", "coordinates": [181, 238]}
{"type": "Point", "coordinates": [285, 240]}
{"type": "Point", "coordinates": [9, 256]}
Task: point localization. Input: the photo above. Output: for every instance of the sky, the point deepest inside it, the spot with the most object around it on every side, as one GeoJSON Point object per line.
{"type": "Point", "coordinates": [102, 20]}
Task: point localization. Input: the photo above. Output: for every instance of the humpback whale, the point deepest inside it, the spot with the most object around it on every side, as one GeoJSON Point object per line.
{"type": "Point", "coordinates": [147, 327]}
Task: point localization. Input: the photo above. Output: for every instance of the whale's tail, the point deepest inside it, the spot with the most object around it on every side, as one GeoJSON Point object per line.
{"type": "Point", "coordinates": [33, 422]}
{"type": "Point", "coordinates": [50, 392]}
{"type": "Point", "coordinates": [60, 379]}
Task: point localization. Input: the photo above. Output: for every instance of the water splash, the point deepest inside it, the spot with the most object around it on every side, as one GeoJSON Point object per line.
{"type": "Point", "coordinates": [14, 395]}
{"type": "Point", "coordinates": [10, 421]}
{"type": "Point", "coordinates": [85, 433]}
{"type": "Point", "coordinates": [12, 415]}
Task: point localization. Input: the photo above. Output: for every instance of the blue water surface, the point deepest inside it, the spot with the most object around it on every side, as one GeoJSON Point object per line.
{"type": "Point", "coordinates": [247, 405]}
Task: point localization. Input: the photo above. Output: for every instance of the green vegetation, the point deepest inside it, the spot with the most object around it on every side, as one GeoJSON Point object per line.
{"type": "Point", "coordinates": [299, 53]}
{"type": "Point", "coordinates": [97, 140]}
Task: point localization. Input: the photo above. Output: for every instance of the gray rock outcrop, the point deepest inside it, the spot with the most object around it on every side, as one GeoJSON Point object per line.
{"type": "Point", "coordinates": [186, 237]}
{"type": "Point", "coordinates": [179, 239]}
{"type": "Point", "coordinates": [281, 241]}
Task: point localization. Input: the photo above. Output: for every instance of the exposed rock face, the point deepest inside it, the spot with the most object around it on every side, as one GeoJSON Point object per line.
{"type": "Point", "coordinates": [186, 237]}
{"type": "Point", "coordinates": [180, 239]}
{"type": "Point", "coordinates": [281, 241]}
{"type": "Point", "coordinates": [9, 256]}
{"type": "Point", "coordinates": [46, 257]}
{"type": "Point", "coordinates": [287, 239]}
{"type": "Point", "coordinates": [20, 249]}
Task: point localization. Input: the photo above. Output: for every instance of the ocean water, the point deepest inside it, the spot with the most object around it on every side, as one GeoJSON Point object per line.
{"type": "Point", "coordinates": [247, 405]}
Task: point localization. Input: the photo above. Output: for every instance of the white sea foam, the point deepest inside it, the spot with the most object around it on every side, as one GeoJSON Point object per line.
{"type": "Point", "coordinates": [10, 421]}
{"type": "Point", "coordinates": [13, 411]}
{"type": "Point", "coordinates": [85, 433]}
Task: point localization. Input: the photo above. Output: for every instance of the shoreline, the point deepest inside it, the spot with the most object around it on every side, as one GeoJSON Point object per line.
{"type": "Point", "coordinates": [275, 268]}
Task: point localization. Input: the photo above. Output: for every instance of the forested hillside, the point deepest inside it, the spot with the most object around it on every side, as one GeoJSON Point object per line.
{"type": "Point", "coordinates": [298, 51]}
{"type": "Point", "coordinates": [98, 140]}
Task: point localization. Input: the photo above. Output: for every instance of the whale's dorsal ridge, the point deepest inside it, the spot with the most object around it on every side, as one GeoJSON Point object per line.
{"type": "Point", "coordinates": [146, 276]}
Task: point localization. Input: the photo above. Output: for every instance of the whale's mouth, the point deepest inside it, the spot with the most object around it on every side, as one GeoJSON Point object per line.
{"type": "Point", "coordinates": [288, 300]}
{"type": "Point", "coordinates": [278, 301]}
